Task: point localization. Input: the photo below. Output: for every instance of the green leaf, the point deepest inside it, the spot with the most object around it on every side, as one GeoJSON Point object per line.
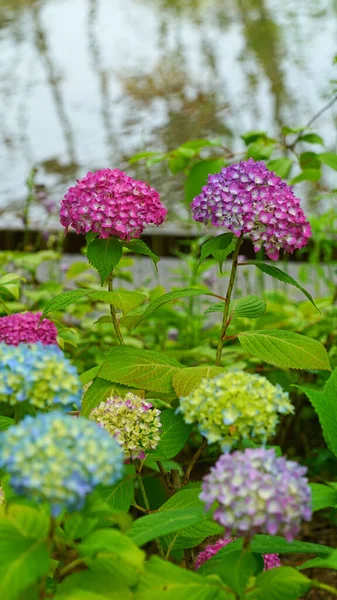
{"type": "Point", "coordinates": [283, 583]}
{"type": "Point", "coordinates": [324, 403]}
{"type": "Point", "coordinates": [141, 155]}
{"type": "Point", "coordinates": [286, 349]}
{"type": "Point", "coordinates": [165, 580]}
{"type": "Point", "coordinates": [22, 560]}
{"type": "Point", "coordinates": [309, 160]}
{"type": "Point", "coordinates": [195, 534]}
{"type": "Point", "coordinates": [235, 569]}
{"type": "Point", "coordinates": [329, 159]}
{"type": "Point", "coordinates": [99, 391]}
{"type": "Point", "coordinates": [62, 301]}
{"type": "Point", "coordinates": [250, 307]}
{"type": "Point", "coordinates": [124, 301]}
{"type": "Point", "coordinates": [183, 293]}
{"type": "Point", "coordinates": [104, 255]}
{"type": "Point", "coordinates": [252, 136]}
{"type": "Point", "coordinates": [139, 247]}
{"type": "Point", "coordinates": [217, 307]}
{"type": "Point", "coordinates": [274, 544]}
{"type": "Point", "coordinates": [198, 176]}
{"type": "Point", "coordinates": [219, 247]}
{"type": "Point", "coordinates": [186, 380]}
{"type": "Point", "coordinates": [31, 523]}
{"type": "Point", "coordinates": [307, 175]}
{"type": "Point", "coordinates": [311, 138]}
{"type": "Point", "coordinates": [280, 166]}
{"type": "Point", "coordinates": [91, 586]}
{"type": "Point", "coordinates": [281, 276]}
{"type": "Point", "coordinates": [142, 369]}
{"type": "Point", "coordinates": [6, 422]}
{"type": "Point", "coordinates": [119, 496]}
{"type": "Point", "coordinates": [159, 524]}
{"type": "Point", "coordinates": [89, 375]}
{"type": "Point", "coordinates": [174, 434]}
{"type": "Point", "coordinates": [323, 496]}
{"type": "Point", "coordinates": [328, 562]}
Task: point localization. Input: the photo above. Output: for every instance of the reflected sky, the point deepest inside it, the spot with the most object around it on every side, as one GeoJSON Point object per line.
{"type": "Point", "coordinates": [84, 84]}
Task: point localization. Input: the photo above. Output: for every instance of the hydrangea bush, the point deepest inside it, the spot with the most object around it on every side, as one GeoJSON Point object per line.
{"type": "Point", "coordinates": [132, 469]}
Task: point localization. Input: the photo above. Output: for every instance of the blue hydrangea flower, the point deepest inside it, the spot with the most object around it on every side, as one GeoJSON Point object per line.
{"type": "Point", "coordinates": [59, 459]}
{"type": "Point", "coordinates": [39, 374]}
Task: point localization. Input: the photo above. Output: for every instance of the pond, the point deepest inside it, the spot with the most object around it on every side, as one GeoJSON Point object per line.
{"type": "Point", "coordinates": [85, 84]}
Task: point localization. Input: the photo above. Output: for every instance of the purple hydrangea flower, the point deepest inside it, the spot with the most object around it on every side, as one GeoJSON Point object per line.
{"type": "Point", "coordinates": [257, 492]}
{"type": "Point", "coordinates": [109, 202]}
{"type": "Point", "coordinates": [270, 560]}
{"type": "Point", "coordinates": [26, 327]}
{"type": "Point", "coordinates": [248, 198]}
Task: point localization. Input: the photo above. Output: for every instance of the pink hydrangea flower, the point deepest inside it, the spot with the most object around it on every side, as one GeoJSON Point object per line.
{"type": "Point", "coordinates": [247, 198]}
{"type": "Point", "coordinates": [26, 327]}
{"type": "Point", "coordinates": [270, 560]}
{"type": "Point", "coordinates": [111, 203]}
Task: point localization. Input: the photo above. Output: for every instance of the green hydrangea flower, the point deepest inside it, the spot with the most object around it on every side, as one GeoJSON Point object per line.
{"type": "Point", "coordinates": [132, 421]}
{"type": "Point", "coordinates": [235, 405]}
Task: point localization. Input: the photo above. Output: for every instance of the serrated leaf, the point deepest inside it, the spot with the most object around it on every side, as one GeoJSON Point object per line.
{"type": "Point", "coordinates": [311, 138]}
{"type": "Point", "coordinates": [91, 586]}
{"type": "Point", "coordinates": [104, 255]}
{"type": "Point", "coordinates": [216, 307]}
{"type": "Point", "coordinates": [174, 434]}
{"type": "Point", "coordinates": [142, 369]}
{"type": "Point", "coordinates": [329, 159]}
{"type": "Point", "coordinates": [250, 307]}
{"type": "Point", "coordinates": [160, 524]}
{"type": "Point", "coordinates": [186, 380]}
{"type": "Point", "coordinates": [324, 403]}
{"type": "Point", "coordinates": [281, 276]}
{"type": "Point", "coordinates": [124, 301]}
{"type": "Point", "coordinates": [286, 349]}
{"type": "Point", "coordinates": [274, 544]}
{"type": "Point", "coordinates": [183, 293]}
{"type": "Point", "coordinates": [89, 375]}
{"type": "Point", "coordinates": [235, 570]}
{"type": "Point", "coordinates": [99, 391]}
{"type": "Point", "coordinates": [323, 496]}
{"type": "Point", "coordinates": [328, 562]}
{"type": "Point", "coordinates": [139, 247]}
{"type": "Point", "coordinates": [62, 301]}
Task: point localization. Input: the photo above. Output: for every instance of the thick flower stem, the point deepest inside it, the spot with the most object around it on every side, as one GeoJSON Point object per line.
{"type": "Point", "coordinates": [138, 466]}
{"type": "Point", "coordinates": [225, 320]}
{"type": "Point", "coordinates": [113, 313]}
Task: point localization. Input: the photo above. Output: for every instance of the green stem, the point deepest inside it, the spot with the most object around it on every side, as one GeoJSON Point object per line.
{"type": "Point", "coordinates": [138, 465]}
{"type": "Point", "coordinates": [71, 566]}
{"type": "Point", "coordinates": [225, 320]}
{"type": "Point", "coordinates": [113, 313]}
{"type": "Point", "coordinates": [324, 586]}
{"type": "Point", "coordinates": [194, 459]}
{"type": "Point", "coordinates": [17, 413]}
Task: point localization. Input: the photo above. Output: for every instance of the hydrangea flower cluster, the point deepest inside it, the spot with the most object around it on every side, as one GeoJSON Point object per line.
{"type": "Point", "coordinates": [39, 374]}
{"type": "Point", "coordinates": [257, 492]}
{"type": "Point", "coordinates": [235, 405]}
{"type": "Point", "coordinates": [109, 202]}
{"type": "Point", "coordinates": [59, 459]}
{"type": "Point", "coordinates": [270, 560]}
{"type": "Point", "coordinates": [26, 327]}
{"type": "Point", "coordinates": [248, 198]}
{"type": "Point", "coordinates": [133, 422]}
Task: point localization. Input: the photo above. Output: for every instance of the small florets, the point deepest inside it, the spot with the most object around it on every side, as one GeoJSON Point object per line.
{"type": "Point", "coordinates": [235, 405]}
{"type": "Point", "coordinates": [59, 459]}
{"type": "Point", "coordinates": [111, 203]}
{"type": "Point", "coordinates": [26, 327]}
{"type": "Point", "coordinates": [257, 492]}
{"type": "Point", "coordinates": [132, 421]}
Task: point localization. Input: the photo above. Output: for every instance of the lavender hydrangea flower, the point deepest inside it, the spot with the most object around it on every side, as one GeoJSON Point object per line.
{"type": "Point", "coordinates": [235, 405]}
{"type": "Point", "coordinates": [270, 560]}
{"type": "Point", "coordinates": [109, 202]}
{"type": "Point", "coordinates": [26, 327]}
{"type": "Point", "coordinates": [132, 421]}
{"type": "Point", "coordinates": [248, 198]}
{"type": "Point", "coordinates": [257, 492]}
{"type": "Point", "coordinates": [38, 374]}
{"type": "Point", "coordinates": [59, 459]}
